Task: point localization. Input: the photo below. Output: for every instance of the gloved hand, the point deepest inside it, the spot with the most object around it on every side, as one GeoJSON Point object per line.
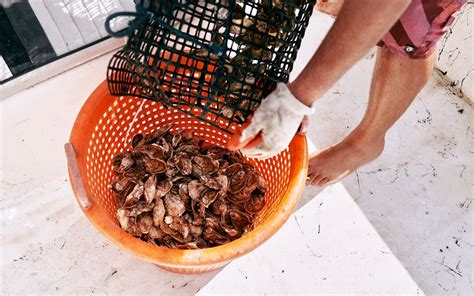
{"type": "Point", "coordinates": [276, 121]}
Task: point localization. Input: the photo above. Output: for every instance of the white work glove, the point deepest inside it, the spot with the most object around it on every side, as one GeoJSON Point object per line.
{"type": "Point", "coordinates": [277, 119]}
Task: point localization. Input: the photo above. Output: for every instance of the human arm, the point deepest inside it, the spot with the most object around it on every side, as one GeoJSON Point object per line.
{"type": "Point", "coordinates": [359, 26]}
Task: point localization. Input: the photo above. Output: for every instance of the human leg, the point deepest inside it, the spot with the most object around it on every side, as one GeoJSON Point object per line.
{"type": "Point", "coordinates": [402, 68]}
{"type": "Point", "coordinates": [396, 82]}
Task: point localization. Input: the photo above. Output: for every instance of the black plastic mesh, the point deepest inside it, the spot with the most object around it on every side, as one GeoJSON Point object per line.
{"type": "Point", "coordinates": [215, 60]}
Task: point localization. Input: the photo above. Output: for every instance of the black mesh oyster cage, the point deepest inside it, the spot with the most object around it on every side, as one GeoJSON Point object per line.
{"type": "Point", "coordinates": [212, 59]}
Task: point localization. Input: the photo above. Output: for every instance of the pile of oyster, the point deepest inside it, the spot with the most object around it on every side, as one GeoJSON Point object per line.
{"type": "Point", "coordinates": [174, 190]}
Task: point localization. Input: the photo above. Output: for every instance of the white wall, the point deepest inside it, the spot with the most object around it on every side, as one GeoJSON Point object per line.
{"type": "Point", "coordinates": [455, 53]}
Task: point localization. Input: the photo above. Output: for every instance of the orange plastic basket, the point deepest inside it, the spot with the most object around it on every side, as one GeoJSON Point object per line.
{"type": "Point", "coordinates": [106, 124]}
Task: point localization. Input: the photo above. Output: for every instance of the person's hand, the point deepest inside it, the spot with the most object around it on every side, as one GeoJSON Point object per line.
{"type": "Point", "coordinates": [274, 124]}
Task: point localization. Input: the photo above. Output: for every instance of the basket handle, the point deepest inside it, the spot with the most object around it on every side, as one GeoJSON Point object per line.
{"type": "Point", "coordinates": [142, 15]}
{"type": "Point", "coordinates": [75, 175]}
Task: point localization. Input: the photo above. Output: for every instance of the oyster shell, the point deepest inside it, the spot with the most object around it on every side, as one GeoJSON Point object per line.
{"type": "Point", "coordinates": [174, 205]}
{"type": "Point", "coordinates": [155, 166]}
{"type": "Point", "coordinates": [150, 188]}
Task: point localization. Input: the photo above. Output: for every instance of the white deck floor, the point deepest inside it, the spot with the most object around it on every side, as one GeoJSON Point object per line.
{"type": "Point", "coordinates": [402, 224]}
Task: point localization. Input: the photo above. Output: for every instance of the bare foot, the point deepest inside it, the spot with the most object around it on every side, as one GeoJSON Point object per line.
{"type": "Point", "coordinates": [332, 164]}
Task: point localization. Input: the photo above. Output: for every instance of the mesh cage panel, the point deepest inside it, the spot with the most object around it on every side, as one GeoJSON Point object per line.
{"type": "Point", "coordinates": [215, 60]}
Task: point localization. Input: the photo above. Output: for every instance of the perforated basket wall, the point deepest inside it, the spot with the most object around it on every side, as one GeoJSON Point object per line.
{"type": "Point", "coordinates": [214, 59]}
{"type": "Point", "coordinates": [106, 125]}
{"type": "Point", "coordinates": [128, 116]}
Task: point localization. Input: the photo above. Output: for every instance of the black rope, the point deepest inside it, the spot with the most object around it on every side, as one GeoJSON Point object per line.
{"type": "Point", "coordinates": [141, 15]}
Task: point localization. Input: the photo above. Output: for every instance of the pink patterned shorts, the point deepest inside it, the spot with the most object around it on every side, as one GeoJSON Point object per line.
{"type": "Point", "coordinates": [420, 27]}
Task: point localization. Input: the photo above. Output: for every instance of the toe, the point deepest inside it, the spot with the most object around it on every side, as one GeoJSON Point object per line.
{"type": "Point", "coordinates": [317, 180]}
{"type": "Point", "coordinates": [313, 173]}
{"type": "Point", "coordinates": [323, 181]}
{"type": "Point", "coordinates": [311, 179]}
{"type": "Point", "coordinates": [308, 179]}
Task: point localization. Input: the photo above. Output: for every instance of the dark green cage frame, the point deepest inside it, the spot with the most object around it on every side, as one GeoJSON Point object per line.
{"type": "Point", "coordinates": [212, 59]}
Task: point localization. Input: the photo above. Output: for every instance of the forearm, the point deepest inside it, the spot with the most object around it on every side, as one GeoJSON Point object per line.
{"type": "Point", "coordinates": [360, 24]}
